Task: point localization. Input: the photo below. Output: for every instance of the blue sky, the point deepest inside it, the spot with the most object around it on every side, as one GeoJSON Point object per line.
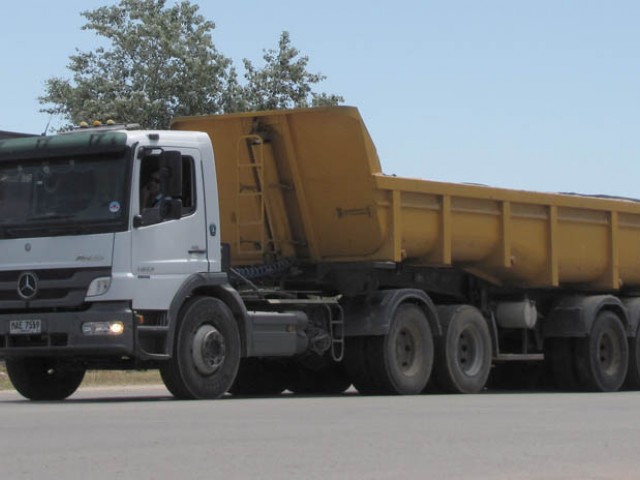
{"type": "Point", "coordinates": [537, 95]}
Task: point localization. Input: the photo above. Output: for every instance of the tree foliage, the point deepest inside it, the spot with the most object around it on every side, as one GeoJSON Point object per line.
{"type": "Point", "coordinates": [161, 62]}
{"type": "Point", "coordinates": [283, 81]}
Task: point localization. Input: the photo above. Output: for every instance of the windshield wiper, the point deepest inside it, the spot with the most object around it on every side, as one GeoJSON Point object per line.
{"type": "Point", "coordinates": [51, 216]}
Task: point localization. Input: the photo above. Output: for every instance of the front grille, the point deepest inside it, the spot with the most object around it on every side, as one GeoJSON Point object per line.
{"type": "Point", "coordinates": [45, 274]}
{"type": "Point", "coordinates": [49, 294]}
{"type": "Point", "coordinates": [60, 288]}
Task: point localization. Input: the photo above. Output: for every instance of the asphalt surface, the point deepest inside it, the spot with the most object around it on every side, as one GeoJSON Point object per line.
{"type": "Point", "coordinates": [142, 433]}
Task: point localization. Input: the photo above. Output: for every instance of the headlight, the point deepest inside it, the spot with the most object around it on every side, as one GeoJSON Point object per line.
{"type": "Point", "coordinates": [115, 327]}
{"type": "Point", "coordinates": [99, 286]}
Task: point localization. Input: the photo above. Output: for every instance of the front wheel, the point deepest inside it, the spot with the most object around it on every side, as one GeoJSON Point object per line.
{"type": "Point", "coordinates": [206, 354]}
{"type": "Point", "coordinates": [42, 378]}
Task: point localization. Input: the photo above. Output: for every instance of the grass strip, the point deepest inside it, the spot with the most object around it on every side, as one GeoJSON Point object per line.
{"type": "Point", "coordinates": [97, 378]}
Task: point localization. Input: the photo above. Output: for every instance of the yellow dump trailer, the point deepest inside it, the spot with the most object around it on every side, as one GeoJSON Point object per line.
{"type": "Point", "coordinates": [308, 184]}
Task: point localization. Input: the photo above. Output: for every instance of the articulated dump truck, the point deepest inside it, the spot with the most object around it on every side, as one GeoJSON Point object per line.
{"type": "Point", "coordinates": [277, 256]}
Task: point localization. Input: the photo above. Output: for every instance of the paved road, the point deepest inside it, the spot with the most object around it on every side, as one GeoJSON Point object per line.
{"type": "Point", "coordinates": [142, 433]}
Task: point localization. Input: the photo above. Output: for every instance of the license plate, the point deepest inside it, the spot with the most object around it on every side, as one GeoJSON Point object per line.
{"type": "Point", "coordinates": [25, 327]}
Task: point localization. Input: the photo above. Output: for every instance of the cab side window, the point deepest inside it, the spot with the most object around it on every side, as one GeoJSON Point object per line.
{"type": "Point", "coordinates": [150, 194]}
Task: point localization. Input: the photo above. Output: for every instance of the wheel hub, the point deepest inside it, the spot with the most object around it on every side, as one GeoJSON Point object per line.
{"type": "Point", "coordinates": [609, 352]}
{"type": "Point", "coordinates": [406, 351]}
{"type": "Point", "coordinates": [470, 351]}
{"type": "Point", "coordinates": [209, 349]}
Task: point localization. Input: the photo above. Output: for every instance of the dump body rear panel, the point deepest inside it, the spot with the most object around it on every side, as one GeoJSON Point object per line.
{"type": "Point", "coordinates": [308, 184]}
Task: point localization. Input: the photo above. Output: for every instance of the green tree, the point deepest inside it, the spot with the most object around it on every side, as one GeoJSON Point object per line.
{"type": "Point", "coordinates": [161, 62]}
{"type": "Point", "coordinates": [283, 81]}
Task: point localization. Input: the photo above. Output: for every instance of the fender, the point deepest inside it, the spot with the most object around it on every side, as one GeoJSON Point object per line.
{"type": "Point", "coordinates": [372, 315]}
{"type": "Point", "coordinates": [574, 316]}
{"type": "Point", "coordinates": [215, 285]}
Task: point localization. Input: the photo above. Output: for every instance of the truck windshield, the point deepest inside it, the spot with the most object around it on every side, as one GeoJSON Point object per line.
{"type": "Point", "coordinates": [62, 196]}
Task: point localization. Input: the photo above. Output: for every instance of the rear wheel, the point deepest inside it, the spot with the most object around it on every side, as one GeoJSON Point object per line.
{"type": "Point", "coordinates": [602, 358]}
{"type": "Point", "coordinates": [206, 354]}
{"type": "Point", "coordinates": [399, 362]}
{"type": "Point", "coordinates": [463, 352]}
{"type": "Point", "coordinates": [44, 378]}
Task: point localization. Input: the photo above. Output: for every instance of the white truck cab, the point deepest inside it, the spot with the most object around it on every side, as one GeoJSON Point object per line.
{"type": "Point", "coordinates": [110, 257]}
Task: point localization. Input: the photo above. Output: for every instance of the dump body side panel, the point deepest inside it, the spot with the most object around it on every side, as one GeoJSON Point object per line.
{"type": "Point", "coordinates": [513, 237]}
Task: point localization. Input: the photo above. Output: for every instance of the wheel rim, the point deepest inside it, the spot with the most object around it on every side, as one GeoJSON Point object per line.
{"type": "Point", "coordinates": [609, 352]}
{"type": "Point", "coordinates": [470, 351]}
{"type": "Point", "coordinates": [209, 349]}
{"type": "Point", "coordinates": [408, 352]}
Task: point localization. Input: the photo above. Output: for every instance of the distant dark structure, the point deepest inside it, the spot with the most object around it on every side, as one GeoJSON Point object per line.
{"type": "Point", "coordinates": [4, 134]}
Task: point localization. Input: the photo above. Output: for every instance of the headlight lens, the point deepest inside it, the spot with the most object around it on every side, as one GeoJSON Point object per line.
{"type": "Point", "coordinates": [115, 327]}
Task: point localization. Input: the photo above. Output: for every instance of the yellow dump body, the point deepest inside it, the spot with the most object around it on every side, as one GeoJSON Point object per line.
{"type": "Point", "coordinates": [308, 184]}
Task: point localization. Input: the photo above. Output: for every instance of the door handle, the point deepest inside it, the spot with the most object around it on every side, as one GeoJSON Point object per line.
{"type": "Point", "coordinates": [197, 250]}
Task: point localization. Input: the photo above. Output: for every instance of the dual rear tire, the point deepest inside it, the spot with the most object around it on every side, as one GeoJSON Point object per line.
{"type": "Point", "coordinates": [402, 361]}
{"type": "Point", "coordinates": [598, 362]}
{"type": "Point", "coordinates": [463, 352]}
{"type": "Point", "coordinates": [399, 362]}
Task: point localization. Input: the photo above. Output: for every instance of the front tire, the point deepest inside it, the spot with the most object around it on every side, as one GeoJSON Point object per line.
{"type": "Point", "coordinates": [206, 354]}
{"type": "Point", "coordinates": [42, 378]}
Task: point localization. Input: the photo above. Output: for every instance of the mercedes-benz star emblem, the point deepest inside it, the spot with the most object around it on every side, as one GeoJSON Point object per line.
{"type": "Point", "coordinates": [27, 285]}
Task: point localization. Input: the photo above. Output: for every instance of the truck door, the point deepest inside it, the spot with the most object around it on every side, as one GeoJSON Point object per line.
{"type": "Point", "coordinates": [165, 252]}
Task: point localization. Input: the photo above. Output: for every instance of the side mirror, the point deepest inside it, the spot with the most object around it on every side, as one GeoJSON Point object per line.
{"type": "Point", "coordinates": [171, 174]}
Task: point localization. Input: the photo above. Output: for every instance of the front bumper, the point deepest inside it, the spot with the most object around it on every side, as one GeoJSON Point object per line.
{"type": "Point", "coordinates": [61, 333]}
